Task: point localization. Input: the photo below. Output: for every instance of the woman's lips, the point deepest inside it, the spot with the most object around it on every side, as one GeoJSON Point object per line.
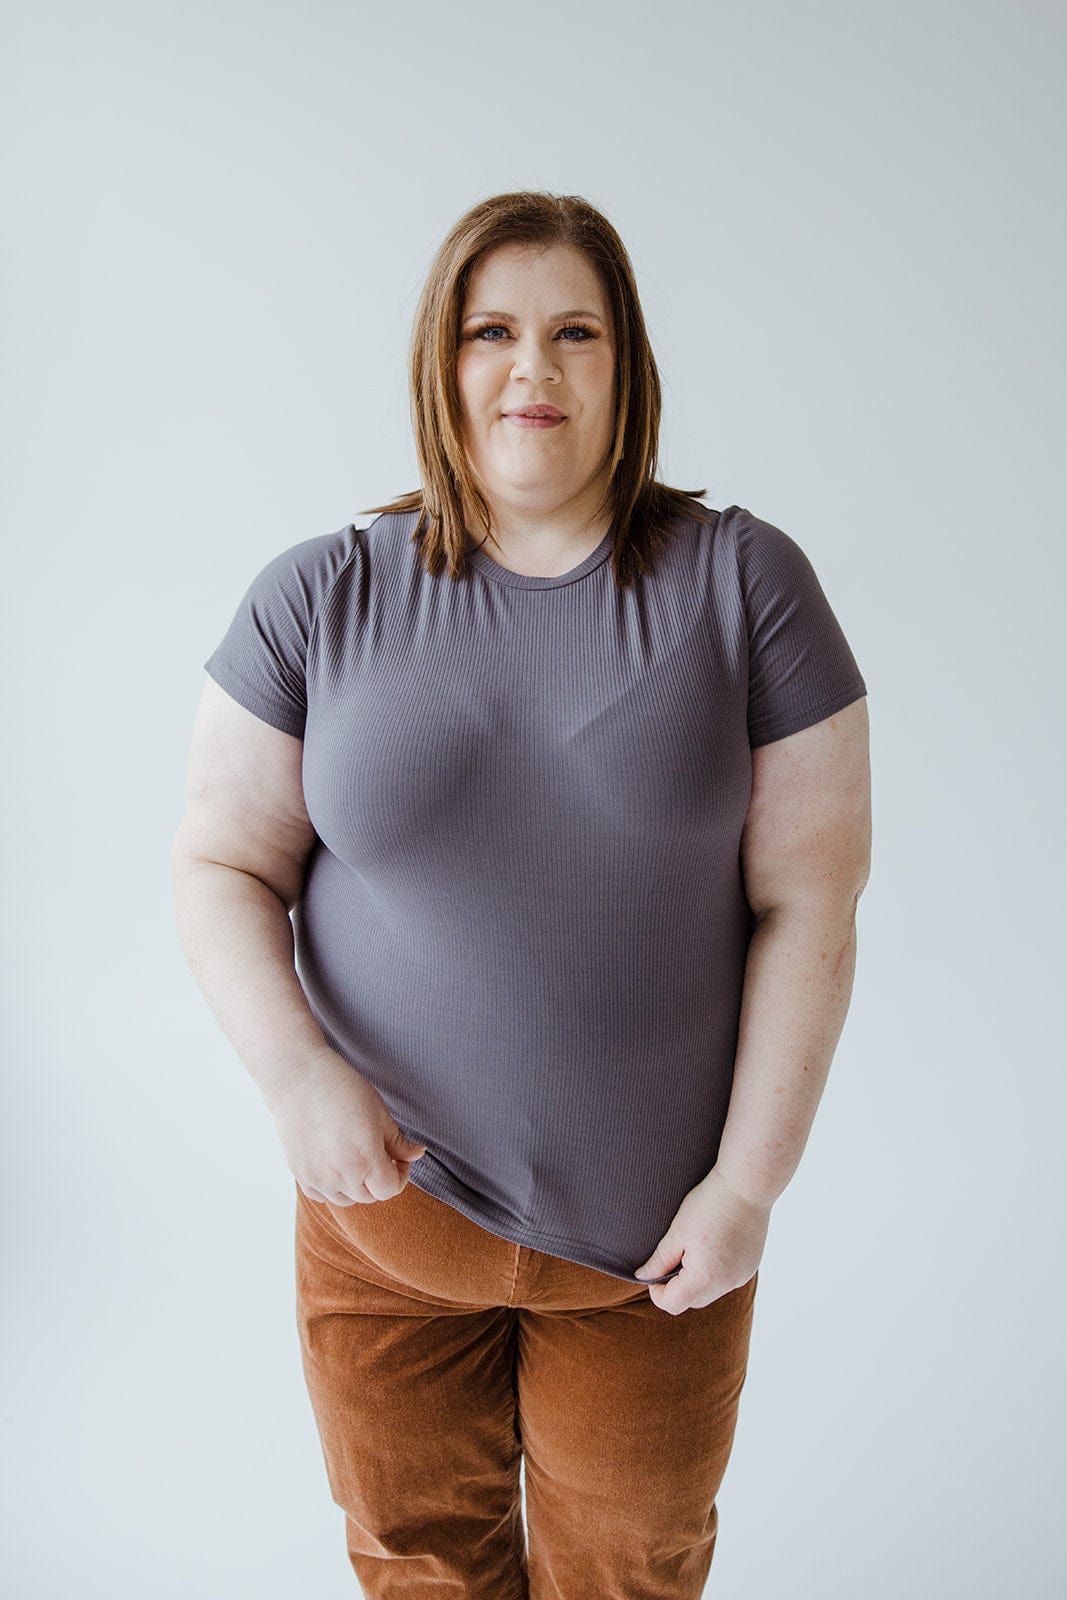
{"type": "Point", "coordinates": [521, 421]}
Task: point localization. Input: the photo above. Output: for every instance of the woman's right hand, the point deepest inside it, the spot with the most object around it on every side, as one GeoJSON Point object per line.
{"type": "Point", "coordinates": [340, 1140]}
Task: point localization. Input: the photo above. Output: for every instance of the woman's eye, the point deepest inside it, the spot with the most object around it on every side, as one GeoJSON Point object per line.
{"type": "Point", "coordinates": [570, 328]}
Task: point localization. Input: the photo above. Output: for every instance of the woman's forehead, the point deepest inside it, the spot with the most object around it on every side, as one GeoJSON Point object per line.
{"type": "Point", "coordinates": [533, 265]}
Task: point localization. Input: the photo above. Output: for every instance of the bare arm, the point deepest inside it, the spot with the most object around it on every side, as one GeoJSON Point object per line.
{"type": "Point", "coordinates": [237, 863]}
{"type": "Point", "coordinates": [237, 866]}
{"type": "Point", "coordinates": [805, 856]}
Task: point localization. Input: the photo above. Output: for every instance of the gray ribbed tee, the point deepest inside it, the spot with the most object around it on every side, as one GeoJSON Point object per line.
{"type": "Point", "coordinates": [524, 919]}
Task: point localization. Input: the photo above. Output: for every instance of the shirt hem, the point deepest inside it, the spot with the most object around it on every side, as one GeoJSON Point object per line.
{"type": "Point", "coordinates": [437, 1182]}
{"type": "Point", "coordinates": [252, 700]}
{"type": "Point", "coordinates": [807, 717]}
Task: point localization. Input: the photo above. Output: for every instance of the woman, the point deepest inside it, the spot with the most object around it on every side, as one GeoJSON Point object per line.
{"type": "Point", "coordinates": [564, 779]}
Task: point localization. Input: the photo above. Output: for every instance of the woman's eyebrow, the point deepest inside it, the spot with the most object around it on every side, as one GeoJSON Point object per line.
{"type": "Point", "coordinates": [506, 316]}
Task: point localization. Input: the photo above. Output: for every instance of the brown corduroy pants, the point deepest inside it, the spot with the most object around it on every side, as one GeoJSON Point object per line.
{"type": "Point", "coordinates": [438, 1356]}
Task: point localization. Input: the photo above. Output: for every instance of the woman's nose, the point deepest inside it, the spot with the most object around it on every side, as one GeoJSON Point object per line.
{"type": "Point", "coordinates": [534, 360]}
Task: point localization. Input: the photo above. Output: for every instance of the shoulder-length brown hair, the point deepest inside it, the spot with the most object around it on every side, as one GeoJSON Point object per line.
{"type": "Point", "coordinates": [641, 506]}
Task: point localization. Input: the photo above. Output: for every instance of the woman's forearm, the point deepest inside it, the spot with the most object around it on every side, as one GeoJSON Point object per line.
{"type": "Point", "coordinates": [798, 984]}
{"type": "Point", "coordinates": [238, 941]}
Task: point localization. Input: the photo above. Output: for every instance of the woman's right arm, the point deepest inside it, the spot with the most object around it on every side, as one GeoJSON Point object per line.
{"type": "Point", "coordinates": [237, 868]}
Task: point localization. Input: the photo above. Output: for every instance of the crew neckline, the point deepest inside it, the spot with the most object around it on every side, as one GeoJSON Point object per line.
{"type": "Point", "coordinates": [525, 580]}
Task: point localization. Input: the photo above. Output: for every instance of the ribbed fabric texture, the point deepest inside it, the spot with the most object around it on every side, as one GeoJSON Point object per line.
{"type": "Point", "coordinates": [524, 919]}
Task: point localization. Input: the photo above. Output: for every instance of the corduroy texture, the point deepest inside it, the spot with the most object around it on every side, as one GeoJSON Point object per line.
{"type": "Point", "coordinates": [524, 919]}
{"type": "Point", "coordinates": [435, 1352]}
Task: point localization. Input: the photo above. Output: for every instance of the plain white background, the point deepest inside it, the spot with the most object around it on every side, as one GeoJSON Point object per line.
{"type": "Point", "coordinates": [845, 225]}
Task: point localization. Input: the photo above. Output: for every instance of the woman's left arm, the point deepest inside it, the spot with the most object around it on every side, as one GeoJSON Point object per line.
{"type": "Point", "coordinates": [805, 857]}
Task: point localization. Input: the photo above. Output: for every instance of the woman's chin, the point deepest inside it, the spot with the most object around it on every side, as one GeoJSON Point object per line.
{"type": "Point", "coordinates": [538, 480]}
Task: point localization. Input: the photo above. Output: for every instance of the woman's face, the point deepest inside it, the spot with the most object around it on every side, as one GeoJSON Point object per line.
{"type": "Point", "coordinates": [536, 330]}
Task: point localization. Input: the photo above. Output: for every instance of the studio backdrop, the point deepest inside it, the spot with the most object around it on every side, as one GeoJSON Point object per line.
{"type": "Point", "coordinates": [844, 225]}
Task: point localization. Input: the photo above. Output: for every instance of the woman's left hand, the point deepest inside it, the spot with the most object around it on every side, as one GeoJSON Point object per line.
{"type": "Point", "coordinates": [718, 1235]}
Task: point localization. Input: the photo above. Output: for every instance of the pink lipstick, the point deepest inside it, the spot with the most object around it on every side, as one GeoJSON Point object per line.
{"type": "Point", "coordinates": [536, 417]}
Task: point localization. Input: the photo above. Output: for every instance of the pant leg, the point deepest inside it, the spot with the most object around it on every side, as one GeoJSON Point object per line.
{"type": "Point", "coordinates": [627, 1416]}
{"type": "Point", "coordinates": [434, 1350]}
{"type": "Point", "coordinates": [413, 1394]}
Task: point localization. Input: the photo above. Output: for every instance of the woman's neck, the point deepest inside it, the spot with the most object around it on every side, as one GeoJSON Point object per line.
{"type": "Point", "coordinates": [539, 547]}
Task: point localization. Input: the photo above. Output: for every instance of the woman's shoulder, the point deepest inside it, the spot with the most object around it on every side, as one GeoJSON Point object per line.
{"type": "Point", "coordinates": [735, 522]}
{"type": "Point", "coordinates": [758, 548]}
{"type": "Point", "coordinates": [315, 560]}
{"type": "Point", "coordinates": [287, 590]}
{"type": "Point", "coordinates": [313, 566]}
{"type": "Point", "coordinates": [688, 517]}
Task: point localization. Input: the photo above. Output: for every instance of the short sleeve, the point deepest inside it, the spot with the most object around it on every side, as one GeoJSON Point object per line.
{"type": "Point", "coordinates": [262, 658]}
{"type": "Point", "coordinates": [801, 667]}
